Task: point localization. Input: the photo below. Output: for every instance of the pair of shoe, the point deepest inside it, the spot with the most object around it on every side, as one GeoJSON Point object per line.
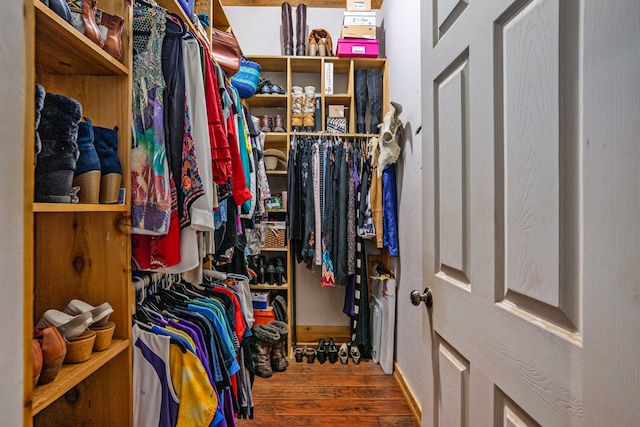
{"type": "Point", "coordinates": [272, 124]}
{"type": "Point", "coordinates": [100, 27]}
{"type": "Point", "coordinates": [71, 153]}
{"type": "Point", "coordinates": [76, 318]}
{"type": "Point", "coordinates": [266, 87]}
{"type": "Point", "coordinates": [325, 351]}
{"type": "Point", "coordinates": [299, 353]}
{"type": "Point", "coordinates": [275, 271]}
{"type": "Point", "coordinates": [347, 350]}
{"type": "Point", "coordinates": [49, 350]}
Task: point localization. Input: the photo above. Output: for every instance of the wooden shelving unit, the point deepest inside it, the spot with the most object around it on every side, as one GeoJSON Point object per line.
{"type": "Point", "coordinates": [79, 251]}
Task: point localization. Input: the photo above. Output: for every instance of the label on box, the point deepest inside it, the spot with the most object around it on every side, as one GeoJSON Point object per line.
{"type": "Point", "coordinates": [356, 19]}
{"type": "Point", "coordinates": [328, 78]}
{"type": "Point", "coordinates": [358, 5]}
{"type": "Point", "coordinates": [358, 49]}
{"type": "Point", "coordinates": [336, 110]}
{"type": "Point", "coordinates": [358, 32]}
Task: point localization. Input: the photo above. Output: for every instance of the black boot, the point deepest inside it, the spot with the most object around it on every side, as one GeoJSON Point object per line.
{"type": "Point", "coordinates": [287, 29]}
{"type": "Point", "coordinates": [262, 270]}
{"type": "Point", "coordinates": [361, 100]}
{"type": "Point", "coordinates": [56, 163]}
{"type": "Point", "coordinates": [374, 90]}
{"type": "Point", "coordinates": [301, 29]}
{"type": "Point", "coordinates": [40, 93]}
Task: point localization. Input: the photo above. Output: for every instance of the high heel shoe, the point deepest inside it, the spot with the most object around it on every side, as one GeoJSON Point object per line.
{"type": "Point", "coordinates": [279, 270]}
{"type": "Point", "coordinates": [343, 354]}
{"type": "Point", "coordinates": [355, 353]}
{"type": "Point", "coordinates": [321, 351]}
{"type": "Point", "coordinates": [262, 270]}
{"type": "Point", "coordinates": [69, 326]}
{"type": "Point", "coordinates": [99, 313]}
{"type": "Point", "coordinates": [332, 351]}
{"type": "Point", "coordinates": [271, 272]}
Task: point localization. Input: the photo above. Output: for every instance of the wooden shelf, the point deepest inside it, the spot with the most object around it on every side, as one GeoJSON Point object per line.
{"type": "Point", "coordinates": [264, 287]}
{"type": "Point", "coordinates": [338, 99]}
{"type": "Point", "coordinates": [276, 172]}
{"type": "Point", "coordinates": [70, 375]}
{"type": "Point", "coordinates": [77, 207]}
{"type": "Point", "coordinates": [277, 64]}
{"type": "Point", "coordinates": [306, 64]}
{"type": "Point", "coordinates": [61, 49]}
{"type": "Point", "coordinates": [267, 101]}
{"type": "Point", "coordinates": [281, 137]}
{"type": "Point", "coordinates": [283, 249]}
{"type": "Point", "coordinates": [174, 7]}
{"type": "Point", "coordinates": [276, 210]}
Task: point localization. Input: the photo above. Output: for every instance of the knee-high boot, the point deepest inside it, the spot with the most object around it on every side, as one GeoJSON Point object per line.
{"type": "Point", "coordinates": [287, 29]}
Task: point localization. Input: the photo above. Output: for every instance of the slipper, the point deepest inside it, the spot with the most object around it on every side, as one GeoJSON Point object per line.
{"type": "Point", "coordinates": [100, 313]}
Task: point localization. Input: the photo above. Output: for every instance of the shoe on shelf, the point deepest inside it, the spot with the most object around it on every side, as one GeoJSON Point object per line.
{"type": "Point", "coordinates": [343, 354]}
{"type": "Point", "coordinates": [54, 350]}
{"type": "Point", "coordinates": [266, 124]}
{"type": "Point", "coordinates": [278, 124]}
{"type": "Point", "coordinates": [276, 89]}
{"type": "Point", "coordinates": [69, 326]}
{"type": "Point", "coordinates": [322, 351]}
{"type": "Point", "coordinates": [279, 270]}
{"type": "Point", "coordinates": [271, 272]}
{"type": "Point", "coordinates": [332, 351]}
{"type": "Point", "coordinates": [99, 313]}
{"type": "Point", "coordinates": [262, 270]}
{"type": "Point", "coordinates": [311, 355]}
{"type": "Point", "coordinates": [36, 360]}
{"type": "Point", "coordinates": [355, 353]}
{"type": "Point", "coordinates": [264, 87]}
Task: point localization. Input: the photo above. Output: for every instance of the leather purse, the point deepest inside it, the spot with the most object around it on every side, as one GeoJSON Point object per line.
{"type": "Point", "coordinates": [226, 51]}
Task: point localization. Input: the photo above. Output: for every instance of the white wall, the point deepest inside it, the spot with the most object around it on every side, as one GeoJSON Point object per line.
{"type": "Point", "coordinates": [11, 225]}
{"type": "Point", "coordinates": [401, 34]}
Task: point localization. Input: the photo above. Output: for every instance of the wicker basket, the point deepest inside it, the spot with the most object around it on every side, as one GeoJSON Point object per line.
{"type": "Point", "coordinates": [274, 234]}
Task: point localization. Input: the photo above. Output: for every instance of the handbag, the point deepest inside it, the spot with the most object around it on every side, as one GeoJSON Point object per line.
{"type": "Point", "coordinates": [246, 80]}
{"type": "Point", "coordinates": [225, 50]}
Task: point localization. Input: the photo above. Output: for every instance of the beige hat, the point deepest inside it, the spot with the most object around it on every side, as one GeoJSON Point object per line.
{"type": "Point", "coordinates": [278, 153]}
{"type": "Point", "coordinates": [274, 158]}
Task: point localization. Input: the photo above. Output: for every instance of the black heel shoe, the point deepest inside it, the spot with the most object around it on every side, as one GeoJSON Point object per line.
{"type": "Point", "coordinates": [321, 352]}
{"type": "Point", "coordinates": [279, 270]}
{"type": "Point", "coordinates": [262, 270]}
{"type": "Point", "coordinates": [332, 351]}
{"type": "Point", "coordinates": [253, 265]}
{"type": "Point", "coordinates": [271, 272]}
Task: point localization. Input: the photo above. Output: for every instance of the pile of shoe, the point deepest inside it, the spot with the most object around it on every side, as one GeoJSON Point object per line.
{"type": "Point", "coordinates": [303, 108]}
{"type": "Point", "coordinates": [266, 87]}
{"type": "Point", "coordinates": [268, 273]}
{"type": "Point", "coordinates": [102, 28]}
{"type": "Point", "coordinates": [328, 351]}
{"type": "Point", "coordinates": [268, 346]}
{"type": "Point", "coordinates": [69, 336]}
{"type": "Point", "coordinates": [272, 124]}
{"type": "Point", "coordinates": [75, 161]}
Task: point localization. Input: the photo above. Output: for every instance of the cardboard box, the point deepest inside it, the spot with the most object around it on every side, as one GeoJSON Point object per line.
{"type": "Point", "coordinates": [358, 5]}
{"type": "Point", "coordinates": [357, 48]}
{"type": "Point", "coordinates": [260, 299]}
{"type": "Point", "coordinates": [336, 111]}
{"type": "Point", "coordinates": [328, 78]}
{"type": "Point", "coordinates": [359, 18]}
{"type": "Point", "coordinates": [358, 32]}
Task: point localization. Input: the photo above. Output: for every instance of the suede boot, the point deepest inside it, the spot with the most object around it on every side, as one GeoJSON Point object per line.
{"type": "Point", "coordinates": [87, 175]}
{"type": "Point", "coordinates": [374, 92]}
{"type": "Point", "coordinates": [40, 93]}
{"type": "Point", "coordinates": [56, 163]}
{"type": "Point", "coordinates": [113, 38]}
{"type": "Point", "coordinates": [309, 108]}
{"type": "Point", "coordinates": [106, 144]}
{"type": "Point", "coordinates": [301, 29]}
{"type": "Point", "coordinates": [361, 100]}
{"type": "Point", "coordinates": [297, 104]}
{"type": "Point", "coordinates": [279, 349]}
{"type": "Point", "coordinates": [261, 343]}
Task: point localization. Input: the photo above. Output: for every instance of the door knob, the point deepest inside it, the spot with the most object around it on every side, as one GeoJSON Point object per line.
{"type": "Point", "coordinates": [426, 297]}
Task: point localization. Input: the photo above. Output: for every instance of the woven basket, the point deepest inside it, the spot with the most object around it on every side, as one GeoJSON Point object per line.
{"type": "Point", "coordinates": [274, 234]}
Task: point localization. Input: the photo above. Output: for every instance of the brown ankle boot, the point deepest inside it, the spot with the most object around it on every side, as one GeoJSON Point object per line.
{"type": "Point", "coordinates": [113, 42]}
{"type": "Point", "coordinates": [91, 30]}
{"type": "Point", "coordinates": [54, 349]}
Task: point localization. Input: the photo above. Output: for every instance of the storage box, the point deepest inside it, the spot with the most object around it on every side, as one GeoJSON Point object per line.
{"type": "Point", "coordinates": [336, 111]}
{"type": "Point", "coordinates": [328, 78]}
{"type": "Point", "coordinates": [359, 18]}
{"type": "Point", "coordinates": [357, 48]}
{"type": "Point", "coordinates": [274, 234]}
{"type": "Point", "coordinates": [336, 125]}
{"type": "Point", "coordinates": [262, 317]}
{"type": "Point", "coordinates": [260, 300]}
{"type": "Point", "coordinates": [358, 5]}
{"type": "Point", "coordinates": [358, 32]}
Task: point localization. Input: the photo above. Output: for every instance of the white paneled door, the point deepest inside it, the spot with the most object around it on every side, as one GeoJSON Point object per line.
{"type": "Point", "coordinates": [532, 212]}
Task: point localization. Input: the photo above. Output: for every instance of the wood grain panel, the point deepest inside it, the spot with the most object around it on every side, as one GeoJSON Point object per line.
{"type": "Point", "coordinates": [531, 144]}
{"type": "Point", "coordinates": [267, 391]}
{"type": "Point", "coordinates": [369, 392]}
{"type": "Point", "coordinates": [509, 414]}
{"type": "Point", "coordinates": [453, 378]}
{"type": "Point", "coordinates": [339, 407]}
{"type": "Point", "coordinates": [452, 147]}
{"type": "Point", "coordinates": [340, 4]}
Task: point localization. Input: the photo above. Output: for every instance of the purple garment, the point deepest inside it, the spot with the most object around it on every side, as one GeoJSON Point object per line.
{"type": "Point", "coordinates": [350, 297]}
{"type": "Point", "coordinates": [200, 349]}
{"type": "Point", "coordinates": [390, 209]}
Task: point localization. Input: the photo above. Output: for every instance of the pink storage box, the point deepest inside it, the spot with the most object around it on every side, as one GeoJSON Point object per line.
{"type": "Point", "coordinates": [357, 48]}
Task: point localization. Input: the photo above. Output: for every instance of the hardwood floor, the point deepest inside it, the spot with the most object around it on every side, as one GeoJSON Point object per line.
{"type": "Point", "coordinates": [329, 395]}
